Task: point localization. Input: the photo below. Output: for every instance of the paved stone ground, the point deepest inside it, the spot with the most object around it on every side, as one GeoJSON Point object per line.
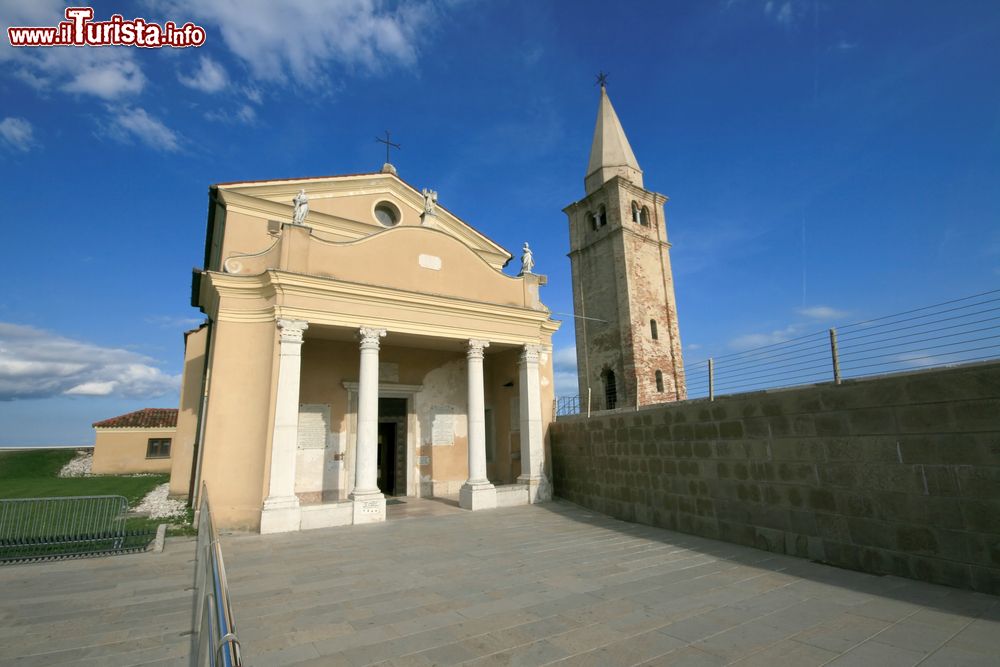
{"type": "Point", "coordinates": [118, 610]}
{"type": "Point", "coordinates": [556, 584]}
{"type": "Point", "coordinates": [548, 584]}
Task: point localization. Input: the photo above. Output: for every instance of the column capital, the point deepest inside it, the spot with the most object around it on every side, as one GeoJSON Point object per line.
{"type": "Point", "coordinates": [530, 354]}
{"type": "Point", "coordinates": [370, 337]}
{"type": "Point", "coordinates": [475, 348]}
{"type": "Point", "coordinates": [291, 330]}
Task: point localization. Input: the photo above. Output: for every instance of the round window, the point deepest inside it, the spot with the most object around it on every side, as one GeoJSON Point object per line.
{"type": "Point", "coordinates": [387, 213]}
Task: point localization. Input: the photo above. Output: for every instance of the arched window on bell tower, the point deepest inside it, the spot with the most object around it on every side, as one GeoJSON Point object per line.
{"type": "Point", "coordinates": [602, 216]}
{"type": "Point", "coordinates": [635, 212]}
{"type": "Point", "coordinates": [659, 381]}
{"type": "Point", "coordinates": [644, 217]}
{"type": "Point", "coordinates": [610, 390]}
{"type": "Point", "coordinates": [652, 330]}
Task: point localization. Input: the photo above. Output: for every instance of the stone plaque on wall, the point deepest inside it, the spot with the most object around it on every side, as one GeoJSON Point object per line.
{"type": "Point", "coordinates": [314, 425]}
{"type": "Point", "coordinates": [515, 413]}
{"type": "Point", "coordinates": [388, 371]}
{"type": "Point", "coordinates": [443, 425]}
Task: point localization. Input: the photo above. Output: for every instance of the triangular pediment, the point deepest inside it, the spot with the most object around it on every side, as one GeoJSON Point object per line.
{"type": "Point", "coordinates": [343, 207]}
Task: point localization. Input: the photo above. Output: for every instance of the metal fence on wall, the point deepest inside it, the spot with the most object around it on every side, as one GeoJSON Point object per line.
{"type": "Point", "coordinates": [953, 332]}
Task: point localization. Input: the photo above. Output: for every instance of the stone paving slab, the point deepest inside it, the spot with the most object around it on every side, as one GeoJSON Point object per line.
{"type": "Point", "coordinates": [550, 584]}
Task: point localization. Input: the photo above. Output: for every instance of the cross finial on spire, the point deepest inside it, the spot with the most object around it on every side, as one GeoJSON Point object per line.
{"type": "Point", "coordinates": [602, 79]}
{"type": "Point", "coordinates": [388, 145]}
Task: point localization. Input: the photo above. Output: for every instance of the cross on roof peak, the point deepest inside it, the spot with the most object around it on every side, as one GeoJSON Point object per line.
{"type": "Point", "coordinates": [388, 145]}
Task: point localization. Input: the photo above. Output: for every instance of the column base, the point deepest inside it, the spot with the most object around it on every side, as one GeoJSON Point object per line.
{"type": "Point", "coordinates": [368, 507]}
{"type": "Point", "coordinates": [477, 496]}
{"type": "Point", "coordinates": [539, 489]}
{"type": "Point", "coordinates": [280, 515]}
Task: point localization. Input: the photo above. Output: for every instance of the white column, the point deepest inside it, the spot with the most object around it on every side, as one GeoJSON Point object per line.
{"type": "Point", "coordinates": [281, 507]}
{"type": "Point", "coordinates": [532, 441]}
{"type": "Point", "coordinates": [477, 493]}
{"type": "Point", "coordinates": [369, 503]}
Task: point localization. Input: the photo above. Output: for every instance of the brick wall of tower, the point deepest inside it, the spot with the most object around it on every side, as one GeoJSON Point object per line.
{"type": "Point", "coordinates": [603, 339]}
{"type": "Point", "coordinates": [621, 274]}
{"type": "Point", "coordinates": [650, 297]}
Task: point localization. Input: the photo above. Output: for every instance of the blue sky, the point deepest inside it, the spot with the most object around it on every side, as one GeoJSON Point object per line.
{"type": "Point", "coordinates": [825, 161]}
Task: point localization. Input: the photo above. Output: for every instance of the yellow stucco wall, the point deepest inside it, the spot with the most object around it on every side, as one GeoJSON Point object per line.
{"type": "Point", "coordinates": [123, 450]}
{"type": "Point", "coordinates": [187, 416]}
{"type": "Point", "coordinates": [238, 421]}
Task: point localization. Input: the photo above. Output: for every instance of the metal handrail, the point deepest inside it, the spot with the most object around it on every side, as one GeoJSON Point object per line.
{"type": "Point", "coordinates": [213, 640]}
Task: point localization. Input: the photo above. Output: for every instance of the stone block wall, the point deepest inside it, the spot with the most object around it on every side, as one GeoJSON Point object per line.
{"type": "Point", "coordinates": [897, 474]}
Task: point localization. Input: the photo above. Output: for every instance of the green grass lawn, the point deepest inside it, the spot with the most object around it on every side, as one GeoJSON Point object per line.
{"type": "Point", "coordinates": [27, 474]}
{"type": "Point", "coordinates": [35, 474]}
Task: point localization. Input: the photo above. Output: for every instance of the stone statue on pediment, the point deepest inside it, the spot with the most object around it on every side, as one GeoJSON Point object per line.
{"type": "Point", "coordinates": [527, 259]}
{"type": "Point", "coordinates": [430, 201]}
{"type": "Point", "coordinates": [301, 202]}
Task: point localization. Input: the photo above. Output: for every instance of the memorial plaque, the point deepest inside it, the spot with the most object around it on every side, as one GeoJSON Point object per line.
{"type": "Point", "coordinates": [443, 426]}
{"type": "Point", "coordinates": [314, 426]}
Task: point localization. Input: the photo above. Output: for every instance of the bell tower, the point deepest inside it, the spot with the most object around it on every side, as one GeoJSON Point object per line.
{"type": "Point", "coordinates": [628, 346]}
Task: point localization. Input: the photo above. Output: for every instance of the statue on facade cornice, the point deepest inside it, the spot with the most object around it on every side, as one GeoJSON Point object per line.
{"type": "Point", "coordinates": [301, 202]}
{"type": "Point", "coordinates": [430, 201]}
{"type": "Point", "coordinates": [527, 259]}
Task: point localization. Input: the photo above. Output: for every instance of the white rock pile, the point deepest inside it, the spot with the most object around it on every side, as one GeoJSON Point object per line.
{"type": "Point", "coordinates": [80, 465]}
{"type": "Point", "coordinates": [159, 506]}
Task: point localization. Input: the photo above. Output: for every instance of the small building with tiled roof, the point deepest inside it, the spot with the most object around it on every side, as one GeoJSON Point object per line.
{"type": "Point", "coordinates": [135, 442]}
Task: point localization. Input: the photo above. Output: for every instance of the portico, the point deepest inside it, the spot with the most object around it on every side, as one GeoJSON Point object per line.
{"type": "Point", "coordinates": [313, 332]}
{"type": "Point", "coordinates": [302, 496]}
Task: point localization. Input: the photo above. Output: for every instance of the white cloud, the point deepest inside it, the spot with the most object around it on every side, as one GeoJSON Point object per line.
{"type": "Point", "coordinates": [822, 313]}
{"type": "Point", "coordinates": [246, 114]}
{"type": "Point", "coordinates": [128, 123]}
{"type": "Point", "coordinates": [39, 364]}
{"type": "Point", "coordinates": [300, 40]}
{"type": "Point", "coordinates": [109, 73]}
{"type": "Point", "coordinates": [844, 45]}
{"type": "Point", "coordinates": [564, 369]}
{"type": "Point", "coordinates": [106, 77]}
{"type": "Point", "coordinates": [210, 77]}
{"type": "Point", "coordinates": [91, 389]}
{"type": "Point", "coordinates": [784, 13]}
{"type": "Point", "coordinates": [750, 341]}
{"type": "Point", "coordinates": [17, 133]}
{"type": "Point", "coordinates": [174, 322]}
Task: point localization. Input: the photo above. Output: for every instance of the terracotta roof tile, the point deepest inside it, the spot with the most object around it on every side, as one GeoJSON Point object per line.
{"type": "Point", "coordinates": [145, 418]}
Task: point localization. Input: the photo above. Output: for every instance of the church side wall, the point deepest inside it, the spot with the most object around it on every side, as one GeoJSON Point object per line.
{"type": "Point", "coordinates": [238, 418]}
{"type": "Point", "coordinates": [182, 449]}
{"type": "Point", "coordinates": [893, 475]}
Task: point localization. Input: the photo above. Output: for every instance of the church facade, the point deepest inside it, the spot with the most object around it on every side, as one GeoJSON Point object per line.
{"type": "Point", "coordinates": [627, 338]}
{"type": "Point", "coordinates": [361, 342]}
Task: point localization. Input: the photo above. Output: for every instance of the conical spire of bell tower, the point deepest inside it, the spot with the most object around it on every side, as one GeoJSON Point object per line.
{"type": "Point", "coordinates": [610, 154]}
